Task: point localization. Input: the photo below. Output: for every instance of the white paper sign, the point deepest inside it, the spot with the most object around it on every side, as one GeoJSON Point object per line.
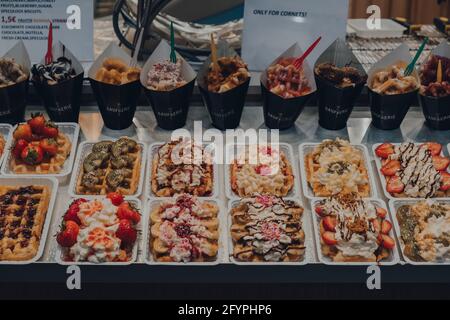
{"type": "Point", "coordinates": [28, 20]}
{"type": "Point", "coordinates": [271, 26]}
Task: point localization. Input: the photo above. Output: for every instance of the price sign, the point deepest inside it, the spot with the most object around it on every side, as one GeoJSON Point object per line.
{"type": "Point", "coordinates": [28, 20]}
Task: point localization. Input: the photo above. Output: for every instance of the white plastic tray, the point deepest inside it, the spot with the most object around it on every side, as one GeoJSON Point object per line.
{"type": "Point", "coordinates": [307, 257]}
{"type": "Point", "coordinates": [59, 252]}
{"type": "Point", "coordinates": [305, 148]}
{"type": "Point", "coordinates": [394, 205]}
{"type": "Point", "coordinates": [6, 133]}
{"type": "Point", "coordinates": [72, 130]}
{"type": "Point", "coordinates": [393, 259]}
{"type": "Point", "coordinates": [83, 150]}
{"type": "Point", "coordinates": [285, 148]}
{"type": "Point", "coordinates": [222, 255]}
{"type": "Point", "coordinates": [383, 178]}
{"type": "Point", "coordinates": [152, 151]}
{"type": "Point", "coordinates": [28, 181]}
{"type": "Point", "coordinates": [389, 29]}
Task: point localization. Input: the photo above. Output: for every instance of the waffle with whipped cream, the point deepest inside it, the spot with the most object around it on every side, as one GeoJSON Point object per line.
{"type": "Point", "coordinates": [181, 166]}
{"type": "Point", "coordinates": [425, 230]}
{"type": "Point", "coordinates": [184, 229]}
{"type": "Point", "coordinates": [23, 210]}
{"type": "Point", "coordinates": [335, 167]}
{"type": "Point", "coordinates": [97, 241]}
{"type": "Point", "coordinates": [353, 229]}
{"type": "Point", "coordinates": [52, 165]}
{"type": "Point", "coordinates": [263, 170]}
{"type": "Point", "coordinates": [267, 229]}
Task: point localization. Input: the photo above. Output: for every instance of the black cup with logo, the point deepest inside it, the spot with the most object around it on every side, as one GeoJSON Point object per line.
{"type": "Point", "coordinates": [13, 98]}
{"type": "Point", "coordinates": [171, 107]}
{"type": "Point", "coordinates": [335, 103]}
{"type": "Point", "coordinates": [388, 111]}
{"type": "Point", "coordinates": [117, 103]}
{"type": "Point", "coordinates": [436, 111]}
{"type": "Point", "coordinates": [281, 113]}
{"type": "Point", "coordinates": [13, 102]}
{"type": "Point", "coordinates": [62, 100]}
{"type": "Point", "coordinates": [225, 109]}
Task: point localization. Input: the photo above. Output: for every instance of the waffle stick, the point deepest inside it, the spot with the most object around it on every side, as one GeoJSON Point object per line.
{"type": "Point", "coordinates": [129, 186]}
{"type": "Point", "coordinates": [52, 165]}
{"type": "Point", "coordinates": [21, 224]}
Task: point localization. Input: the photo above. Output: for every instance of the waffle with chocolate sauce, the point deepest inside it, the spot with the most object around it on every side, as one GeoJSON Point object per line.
{"type": "Point", "coordinates": [267, 229]}
{"type": "Point", "coordinates": [22, 216]}
{"type": "Point", "coordinates": [181, 166]}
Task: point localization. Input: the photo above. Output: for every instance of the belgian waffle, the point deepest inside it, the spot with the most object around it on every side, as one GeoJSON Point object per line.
{"type": "Point", "coordinates": [53, 165]}
{"type": "Point", "coordinates": [340, 165]}
{"type": "Point", "coordinates": [22, 216]}
{"type": "Point", "coordinates": [97, 181]}
{"type": "Point", "coordinates": [356, 224]}
{"type": "Point", "coordinates": [247, 178]}
{"type": "Point", "coordinates": [184, 229]}
{"type": "Point", "coordinates": [169, 178]}
{"type": "Point", "coordinates": [267, 229]}
{"type": "Point", "coordinates": [2, 145]}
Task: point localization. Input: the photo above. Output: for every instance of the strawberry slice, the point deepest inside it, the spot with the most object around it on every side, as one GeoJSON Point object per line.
{"type": "Point", "coordinates": [329, 238]}
{"type": "Point", "coordinates": [329, 223]}
{"type": "Point", "coordinates": [387, 242]}
{"type": "Point", "coordinates": [445, 181]}
{"type": "Point", "coordinates": [440, 163]}
{"type": "Point", "coordinates": [395, 185]}
{"type": "Point", "coordinates": [434, 147]}
{"type": "Point", "coordinates": [319, 210]}
{"type": "Point", "coordinates": [376, 225]}
{"type": "Point", "coordinates": [386, 227]}
{"type": "Point", "coordinates": [381, 212]}
{"type": "Point", "coordinates": [384, 150]}
{"type": "Point", "coordinates": [391, 168]}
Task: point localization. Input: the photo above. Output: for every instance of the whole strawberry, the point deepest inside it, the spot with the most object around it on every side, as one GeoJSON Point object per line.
{"type": "Point", "coordinates": [126, 232]}
{"type": "Point", "coordinates": [68, 235]}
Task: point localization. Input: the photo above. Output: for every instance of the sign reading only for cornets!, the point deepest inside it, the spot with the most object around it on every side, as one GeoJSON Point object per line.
{"type": "Point", "coordinates": [28, 20]}
{"type": "Point", "coordinates": [272, 26]}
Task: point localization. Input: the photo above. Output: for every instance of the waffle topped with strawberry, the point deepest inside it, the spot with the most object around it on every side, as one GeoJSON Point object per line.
{"type": "Point", "coordinates": [415, 170]}
{"type": "Point", "coordinates": [353, 229]}
{"type": "Point", "coordinates": [39, 147]}
{"type": "Point", "coordinates": [99, 230]}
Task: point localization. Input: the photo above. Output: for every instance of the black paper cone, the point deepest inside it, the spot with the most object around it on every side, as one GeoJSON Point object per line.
{"type": "Point", "coordinates": [62, 100]}
{"type": "Point", "coordinates": [436, 110]}
{"type": "Point", "coordinates": [388, 111]}
{"type": "Point", "coordinates": [13, 99]}
{"type": "Point", "coordinates": [225, 109]}
{"type": "Point", "coordinates": [336, 103]}
{"type": "Point", "coordinates": [170, 107]}
{"type": "Point", "coordinates": [281, 113]}
{"type": "Point", "coordinates": [117, 103]}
